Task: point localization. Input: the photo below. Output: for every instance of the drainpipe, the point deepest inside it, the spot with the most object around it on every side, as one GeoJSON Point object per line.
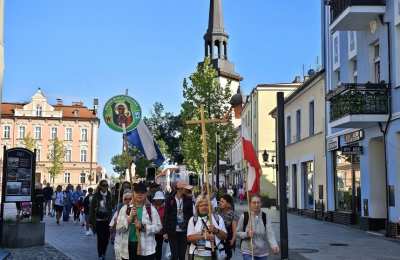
{"type": "Point", "coordinates": [384, 131]}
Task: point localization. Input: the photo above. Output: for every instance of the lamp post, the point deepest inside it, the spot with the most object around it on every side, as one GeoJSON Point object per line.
{"type": "Point", "coordinates": [218, 168]}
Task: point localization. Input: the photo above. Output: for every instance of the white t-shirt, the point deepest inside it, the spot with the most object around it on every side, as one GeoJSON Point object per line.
{"type": "Point", "coordinates": [198, 228]}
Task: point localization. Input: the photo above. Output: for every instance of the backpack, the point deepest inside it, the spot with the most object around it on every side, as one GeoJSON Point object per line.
{"type": "Point", "coordinates": [246, 221]}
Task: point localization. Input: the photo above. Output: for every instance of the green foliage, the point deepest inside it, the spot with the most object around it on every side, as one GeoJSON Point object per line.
{"type": "Point", "coordinates": [167, 129]}
{"type": "Point", "coordinates": [121, 163]}
{"type": "Point", "coordinates": [56, 158]}
{"type": "Point", "coordinates": [205, 89]}
{"type": "Point", "coordinates": [29, 142]}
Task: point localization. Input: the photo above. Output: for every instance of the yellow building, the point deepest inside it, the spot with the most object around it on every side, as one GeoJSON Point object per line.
{"type": "Point", "coordinates": [259, 127]}
{"type": "Point", "coordinates": [305, 146]}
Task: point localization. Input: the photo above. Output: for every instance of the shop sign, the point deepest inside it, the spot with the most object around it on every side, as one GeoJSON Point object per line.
{"type": "Point", "coordinates": [333, 144]}
{"type": "Point", "coordinates": [352, 150]}
{"type": "Point", "coordinates": [354, 136]}
{"type": "Point", "coordinates": [18, 173]}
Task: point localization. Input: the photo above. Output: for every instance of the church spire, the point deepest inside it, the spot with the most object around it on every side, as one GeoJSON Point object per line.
{"type": "Point", "coordinates": [216, 39]}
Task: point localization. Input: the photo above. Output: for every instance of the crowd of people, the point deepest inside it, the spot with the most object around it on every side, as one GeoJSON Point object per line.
{"type": "Point", "coordinates": [143, 222]}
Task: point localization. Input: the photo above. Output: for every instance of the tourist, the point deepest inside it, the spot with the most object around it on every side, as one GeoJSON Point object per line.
{"type": "Point", "coordinates": [48, 195]}
{"type": "Point", "coordinates": [67, 202]}
{"type": "Point", "coordinates": [158, 203]}
{"type": "Point", "coordinates": [59, 203]}
{"type": "Point", "coordinates": [204, 234]}
{"type": "Point", "coordinates": [86, 209]}
{"type": "Point", "coordinates": [100, 216]}
{"type": "Point", "coordinates": [126, 185]}
{"type": "Point", "coordinates": [121, 231]}
{"type": "Point", "coordinates": [226, 211]}
{"type": "Point", "coordinates": [178, 211]}
{"type": "Point", "coordinates": [143, 222]}
{"type": "Point", "coordinates": [75, 200]}
{"type": "Point", "coordinates": [259, 228]}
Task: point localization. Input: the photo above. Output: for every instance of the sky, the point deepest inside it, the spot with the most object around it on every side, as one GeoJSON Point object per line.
{"type": "Point", "coordinates": [78, 50]}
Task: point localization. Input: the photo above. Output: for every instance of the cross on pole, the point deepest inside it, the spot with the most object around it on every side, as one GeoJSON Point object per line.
{"type": "Point", "coordinates": [203, 122]}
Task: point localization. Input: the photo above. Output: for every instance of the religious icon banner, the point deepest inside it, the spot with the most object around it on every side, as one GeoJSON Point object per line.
{"type": "Point", "coordinates": [122, 113]}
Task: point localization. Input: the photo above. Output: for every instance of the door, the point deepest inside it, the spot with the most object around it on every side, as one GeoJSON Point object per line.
{"type": "Point", "coordinates": [294, 185]}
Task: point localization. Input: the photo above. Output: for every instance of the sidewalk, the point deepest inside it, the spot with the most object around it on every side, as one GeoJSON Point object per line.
{"type": "Point", "coordinates": [316, 240]}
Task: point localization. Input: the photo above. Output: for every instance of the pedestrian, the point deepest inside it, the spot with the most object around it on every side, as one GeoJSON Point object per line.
{"type": "Point", "coordinates": [142, 221]}
{"type": "Point", "coordinates": [158, 203]}
{"type": "Point", "coordinates": [48, 195]}
{"type": "Point", "coordinates": [226, 211]}
{"type": "Point", "coordinates": [178, 211]}
{"type": "Point", "coordinates": [100, 217]}
{"type": "Point", "coordinates": [38, 202]}
{"type": "Point", "coordinates": [59, 203]}
{"type": "Point", "coordinates": [86, 209]}
{"type": "Point", "coordinates": [259, 228]}
{"type": "Point", "coordinates": [121, 232]}
{"type": "Point", "coordinates": [241, 195]}
{"type": "Point", "coordinates": [205, 234]}
{"type": "Point", "coordinates": [75, 200]}
{"type": "Point", "coordinates": [67, 202]}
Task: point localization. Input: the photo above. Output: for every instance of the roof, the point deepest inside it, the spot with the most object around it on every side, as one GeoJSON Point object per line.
{"type": "Point", "coordinates": [7, 110]}
{"type": "Point", "coordinates": [301, 88]}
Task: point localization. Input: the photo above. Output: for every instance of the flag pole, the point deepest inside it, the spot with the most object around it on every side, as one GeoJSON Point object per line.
{"type": "Point", "coordinates": [248, 205]}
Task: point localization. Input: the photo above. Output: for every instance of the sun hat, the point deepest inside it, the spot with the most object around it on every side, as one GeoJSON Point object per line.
{"type": "Point", "coordinates": [183, 185]}
{"type": "Point", "coordinates": [159, 196]}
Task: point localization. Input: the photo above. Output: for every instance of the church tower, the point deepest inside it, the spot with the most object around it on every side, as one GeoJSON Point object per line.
{"type": "Point", "coordinates": [216, 47]}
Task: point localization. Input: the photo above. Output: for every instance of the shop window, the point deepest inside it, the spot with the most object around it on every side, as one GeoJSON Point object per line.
{"type": "Point", "coordinates": [308, 171]}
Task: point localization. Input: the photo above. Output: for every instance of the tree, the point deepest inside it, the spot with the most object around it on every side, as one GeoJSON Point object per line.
{"type": "Point", "coordinates": [166, 128]}
{"type": "Point", "coordinates": [29, 142]}
{"type": "Point", "coordinates": [56, 158]}
{"type": "Point", "coordinates": [205, 89]}
{"type": "Point", "coordinates": [121, 163]}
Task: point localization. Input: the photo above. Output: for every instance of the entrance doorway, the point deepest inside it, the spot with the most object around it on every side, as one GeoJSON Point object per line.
{"type": "Point", "coordinates": [294, 185]}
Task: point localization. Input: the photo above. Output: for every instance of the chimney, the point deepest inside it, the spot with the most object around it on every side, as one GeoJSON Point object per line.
{"type": "Point", "coordinates": [77, 104]}
{"type": "Point", "coordinates": [59, 101]}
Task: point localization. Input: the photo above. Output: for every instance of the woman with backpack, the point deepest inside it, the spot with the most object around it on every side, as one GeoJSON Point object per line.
{"type": "Point", "coordinates": [204, 234]}
{"type": "Point", "coordinates": [226, 211]}
{"type": "Point", "coordinates": [59, 197]}
{"type": "Point", "coordinates": [257, 230]}
{"type": "Point", "coordinates": [100, 216]}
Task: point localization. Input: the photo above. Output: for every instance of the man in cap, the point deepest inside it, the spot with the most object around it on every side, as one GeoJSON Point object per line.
{"type": "Point", "coordinates": [178, 211]}
{"type": "Point", "coordinates": [144, 218]}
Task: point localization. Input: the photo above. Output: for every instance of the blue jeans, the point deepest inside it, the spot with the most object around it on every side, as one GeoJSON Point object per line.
{"type": "Point", "coordinates": [249, 257]}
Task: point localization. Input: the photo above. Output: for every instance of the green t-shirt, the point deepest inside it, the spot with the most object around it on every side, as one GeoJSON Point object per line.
{"type": "Point", "coordinates": [132, 228]}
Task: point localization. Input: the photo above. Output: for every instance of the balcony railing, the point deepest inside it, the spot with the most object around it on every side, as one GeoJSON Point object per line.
{"type": "Point", "coordinates": [359, 99]}
{"type": "Point", "coordinates": [338, 6]}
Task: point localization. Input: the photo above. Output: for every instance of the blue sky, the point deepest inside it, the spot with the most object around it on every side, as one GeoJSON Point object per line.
{"type": "Point", "coordinates": [78, 50]}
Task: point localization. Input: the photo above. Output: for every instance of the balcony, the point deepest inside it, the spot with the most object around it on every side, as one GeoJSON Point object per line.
{"type": "Point", "coordinates": [358, 105]}
{"type": "Point", "coordinates": [354, 15]}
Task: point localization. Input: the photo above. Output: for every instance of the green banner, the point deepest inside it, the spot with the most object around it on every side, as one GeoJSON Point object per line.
{"type": "Point", "coordinates": [122, 111]}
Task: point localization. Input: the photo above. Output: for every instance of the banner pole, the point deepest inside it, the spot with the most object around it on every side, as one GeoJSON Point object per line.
{"type": "Point", "coordinates": [248, 207]}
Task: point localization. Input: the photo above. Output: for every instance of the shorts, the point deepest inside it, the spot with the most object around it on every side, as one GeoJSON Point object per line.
{"type": "Point", "coordinates": [58, 208]}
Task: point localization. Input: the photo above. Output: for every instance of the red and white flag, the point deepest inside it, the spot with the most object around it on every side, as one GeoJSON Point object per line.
{"type": "Point", "coordinates": [254, 168]}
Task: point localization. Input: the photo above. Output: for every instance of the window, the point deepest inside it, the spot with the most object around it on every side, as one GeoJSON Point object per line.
{"type": "Point", "coordinates": [51, 154]}
{"type": "Point", "coordinates": [352, 41]}
{"type": "Point", "coordinates": [288, 130]}
{"type": "Point", "coordinates": [53, 133]}
{"type": "Point", "coordinates": [83, 178]}
{"type": "Point", "coordinates": [312, 118]}
{"type": "Point", "coordinates": [83, 156]}
{"type": "Point", "coordinates": [68, 155]}
{"type": "Point", "coordinates": [336, 51]}
{"type": "Point", "coordinates": [7, 132]}
{"type": "Point", "coordinates": [377, 64]}
{"type": "Point", "coordinates": [355, 73]}
{"type": "Point", "coordinates": [38, 155]}
{"type": "Point", "coordinates": [39, 110]}
{"type": "Point", "coordinates": [21, 132]}
{"type": "Point", "coordinates": [84, 135]}
{"type": "Point", "coordinates": [298, 125]}
{"type": "Point", "coordinates": [347, 179]}
{"type": "Point", "coordinates": [38, 133]}
{"type": "Point", "coordinates": [67, 177]}
{"type": "Point", "coordinates": [68, 134]}
{"type": "Point", "coordinates": [308, 173]}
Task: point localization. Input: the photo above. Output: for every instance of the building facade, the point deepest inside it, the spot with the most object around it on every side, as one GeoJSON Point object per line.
{"type": "Point", "coordinates": [259, 127]}
{"type": "Point", "coordinates": [362, 62]}
{"type": "Point", "coordinates": [76, 125]}
{"type": "Point", "coordinates": [305, 147]}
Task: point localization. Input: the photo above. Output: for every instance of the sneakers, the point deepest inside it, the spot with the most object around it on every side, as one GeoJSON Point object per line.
{"type": "Point", "coordinates": [89, 233]}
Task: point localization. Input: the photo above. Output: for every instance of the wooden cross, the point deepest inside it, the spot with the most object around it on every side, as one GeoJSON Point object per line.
{"type": "Point", "coordinates": [203, 123]}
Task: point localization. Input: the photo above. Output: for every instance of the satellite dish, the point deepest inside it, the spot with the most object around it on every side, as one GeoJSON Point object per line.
{"type": "Point", "coordinates": [311, 72]}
